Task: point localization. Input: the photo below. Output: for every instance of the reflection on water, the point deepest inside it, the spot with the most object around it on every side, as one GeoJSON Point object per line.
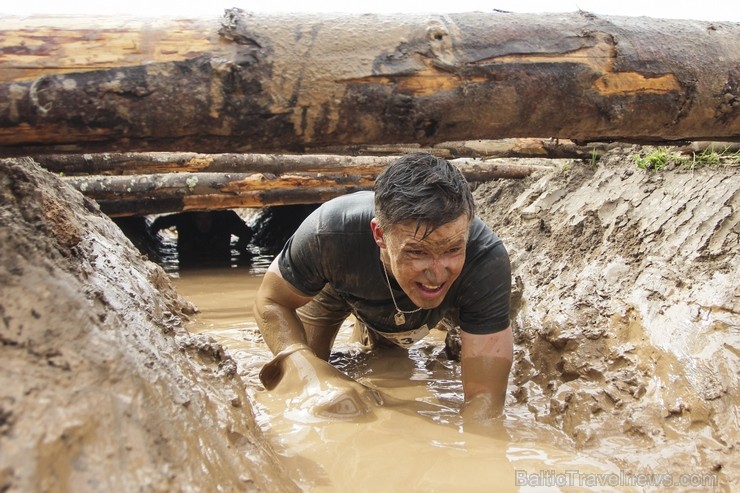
{"type": "Point", "coordinates": [416, 441]}
{"type": "Point", "coordinates": [167, 256]}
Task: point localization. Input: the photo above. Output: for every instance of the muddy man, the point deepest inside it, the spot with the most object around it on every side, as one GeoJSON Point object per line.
{"type": "Point", "coordinates": [407, 257]}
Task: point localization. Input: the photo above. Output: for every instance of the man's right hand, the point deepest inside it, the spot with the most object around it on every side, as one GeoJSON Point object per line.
{"type": "Point", "coordinates": [312, 385]}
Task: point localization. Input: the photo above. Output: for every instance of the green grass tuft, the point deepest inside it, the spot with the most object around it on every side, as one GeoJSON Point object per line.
{"type": "Point", "coordinates": [661, 158]}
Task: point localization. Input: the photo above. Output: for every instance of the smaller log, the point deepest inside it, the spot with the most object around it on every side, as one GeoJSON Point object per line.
{"type": "Point", "coordinates": [133, 163]}
{"type": "Point", "coordinates": [125, 195]}
{"type": "Point", "coordinates": [163, 162]}
{"type": "Point", "coordinates": [477, 170]}
{"type": "Point", "coordinates": [500, 148]}
{"type": "Point", "coordinates": [185, 184]}
{"type": "Point", "coordinates": [179, 184]}
{"type": "Point", "coordinates": [701, 146]}
{"type": "Point", "coordinates": [378, 158]}
{"type": "Point", "coordinates": [134, 206]}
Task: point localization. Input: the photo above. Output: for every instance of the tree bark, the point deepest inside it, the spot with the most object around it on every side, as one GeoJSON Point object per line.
{"type": "Point", "coordinates": [293, 83]}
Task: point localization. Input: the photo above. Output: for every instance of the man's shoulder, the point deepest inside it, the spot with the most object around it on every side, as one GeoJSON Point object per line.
{"type": "Point", "coordinates": [481, 236]}
{"type": "Point", "coordinates": [347, 213]}
{"type": "Point", "coordinates": [356, 200]}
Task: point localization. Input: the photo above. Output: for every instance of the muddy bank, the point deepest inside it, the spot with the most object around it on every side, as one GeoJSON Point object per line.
{"type": "Point", "coordinates": [101, 387]}
{"type": "Point", "coordinates": [627, 323]}
{"type": "Point", "coordinates": [628, 310]}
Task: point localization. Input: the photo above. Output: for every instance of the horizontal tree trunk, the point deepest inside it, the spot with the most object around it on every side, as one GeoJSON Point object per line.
{"type": "Point", "coordinates": [501, 148]}
{"type": "Point", "coordinates": [293, 83]}
{"type": "Point", "coordinates": [132, 163]}
{"type": "Point", "coordinates": [168, 162]}
{"type": "Point", "coordinates": [122, 195]}
{"type": "Point", "coordinates": [163, 162]}
{"type": "Point", "coordinates": [179, 184]}
{"type": "Point", "coordinates": [133, 206]}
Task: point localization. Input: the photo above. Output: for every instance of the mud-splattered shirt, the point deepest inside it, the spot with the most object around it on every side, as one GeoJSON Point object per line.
{"type": "Point", "coordinates": [335, 246]}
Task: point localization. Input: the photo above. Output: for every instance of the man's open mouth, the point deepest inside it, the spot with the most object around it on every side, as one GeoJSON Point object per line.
{"type": "Point", "coordinates": [430, 288]}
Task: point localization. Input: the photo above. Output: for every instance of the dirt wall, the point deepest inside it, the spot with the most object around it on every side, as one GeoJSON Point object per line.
{"type": "Point", "coordinates": [628, 309]}
{"type": "Point", "coordinates": [101, 387]}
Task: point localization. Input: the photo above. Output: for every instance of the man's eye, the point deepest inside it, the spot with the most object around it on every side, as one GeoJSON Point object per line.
{"type": "Point", "coordinates": [454, 250]}
{"type": "Point", "coordinates": [416, 253]}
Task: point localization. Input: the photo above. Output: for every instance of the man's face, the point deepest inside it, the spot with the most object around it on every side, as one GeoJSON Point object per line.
{"type": "Point", "coordinates": [424, 268]}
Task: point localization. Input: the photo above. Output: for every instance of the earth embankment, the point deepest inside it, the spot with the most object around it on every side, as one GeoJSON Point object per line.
{"type": "Point", "coordinates": [627, 323]}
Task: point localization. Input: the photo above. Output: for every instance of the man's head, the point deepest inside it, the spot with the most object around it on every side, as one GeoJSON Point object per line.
{"type": "Point", "coordinates": [423, 209]}
{"type": "Point", "coordinates": [424, 189]}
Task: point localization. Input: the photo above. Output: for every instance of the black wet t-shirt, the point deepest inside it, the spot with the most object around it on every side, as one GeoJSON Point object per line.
{"type": "Point", "coordinates": [335, 246]}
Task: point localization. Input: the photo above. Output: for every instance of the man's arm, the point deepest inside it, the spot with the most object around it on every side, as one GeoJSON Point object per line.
{"type": "Point", "coordinates": [314, 384]}
{"type": "Point", "coordinates": [275, 311]}
{"type": "Point", "coordinates": [486, 361]}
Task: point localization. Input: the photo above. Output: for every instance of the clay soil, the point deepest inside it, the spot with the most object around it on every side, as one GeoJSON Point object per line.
{"type": "Point", "coordinates": [627, 318]}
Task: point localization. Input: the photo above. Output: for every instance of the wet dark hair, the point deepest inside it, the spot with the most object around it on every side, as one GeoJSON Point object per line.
{"type": "Point", "coordinates": [423, 188]}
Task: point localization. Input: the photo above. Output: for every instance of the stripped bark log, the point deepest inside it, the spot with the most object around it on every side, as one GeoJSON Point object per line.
{"type": "Point", "coordinates": [149, 163]}
{"type": "Point", "coordinates": [287, 83]}
{"type": "Point", "coordinates": [502, 148]}
{"type": "Point", "coordinates": [180, 184]}
{"type": "Point", "coordinates": [154, 194]}
{"type": "Point", "coordinates": [140, 207]}
{"type": "Point", "coordinates": [164, 162]}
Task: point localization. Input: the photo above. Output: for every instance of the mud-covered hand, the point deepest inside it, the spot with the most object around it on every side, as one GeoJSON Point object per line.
{"type": "Point", "coordinates": [313, 385]}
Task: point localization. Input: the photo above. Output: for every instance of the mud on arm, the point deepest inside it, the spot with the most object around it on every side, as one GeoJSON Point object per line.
{"type": "Point", "coordinates": [316, 386]}
{"type": "Point", "coordinates": [486, 362]}
{"type": "Point", "coordinates": [275, 311]}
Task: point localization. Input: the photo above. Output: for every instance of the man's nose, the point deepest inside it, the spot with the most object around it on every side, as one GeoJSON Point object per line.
{"type": "Point", "coordinates": [435, 269]}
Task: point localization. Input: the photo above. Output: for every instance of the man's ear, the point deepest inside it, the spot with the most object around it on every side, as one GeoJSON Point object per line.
{"type": "Point", "coordinates": [377, 233]}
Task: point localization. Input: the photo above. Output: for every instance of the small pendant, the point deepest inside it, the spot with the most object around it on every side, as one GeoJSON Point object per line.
{"type": "Point", "coordinates": [400, 318]}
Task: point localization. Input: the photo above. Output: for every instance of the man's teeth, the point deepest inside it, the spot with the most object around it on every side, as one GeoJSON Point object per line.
{"type": "Point", "coordinates": [431, 288]}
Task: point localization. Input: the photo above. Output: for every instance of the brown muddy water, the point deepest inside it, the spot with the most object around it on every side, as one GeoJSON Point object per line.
{"type": "Point", "coordinates": [415, 441]}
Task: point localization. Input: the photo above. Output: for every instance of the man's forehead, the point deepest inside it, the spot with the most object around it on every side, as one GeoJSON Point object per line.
{"type": "Point", "coordinates": [411, 232]}
{"type": "Point", "coordinates": [421, 225]}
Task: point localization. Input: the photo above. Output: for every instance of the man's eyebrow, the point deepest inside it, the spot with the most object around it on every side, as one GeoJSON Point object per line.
{"type": "Point", "coordinates": [460, 240]}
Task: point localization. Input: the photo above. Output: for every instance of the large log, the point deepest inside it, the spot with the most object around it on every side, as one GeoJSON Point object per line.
{"type": "Point", "coordinates": [292, 83]}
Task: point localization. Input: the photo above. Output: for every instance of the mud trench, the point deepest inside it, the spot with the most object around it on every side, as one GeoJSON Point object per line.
{"type": "Point", "coordinates": [627, 327]}
{"type": "Point", "coordinates": [414, 442]}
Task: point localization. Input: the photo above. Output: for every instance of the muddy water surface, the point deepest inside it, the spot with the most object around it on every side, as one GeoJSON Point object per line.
{"type": "Point", "coordinates": [415, 441]}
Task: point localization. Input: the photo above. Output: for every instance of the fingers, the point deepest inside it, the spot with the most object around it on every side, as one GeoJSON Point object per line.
{"type": "Point", "coordinates": [342, 405]}
{"type": "Point", "coordinates": [273, 371]}
{"type": "Point", "coordinates": [317, 388]}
